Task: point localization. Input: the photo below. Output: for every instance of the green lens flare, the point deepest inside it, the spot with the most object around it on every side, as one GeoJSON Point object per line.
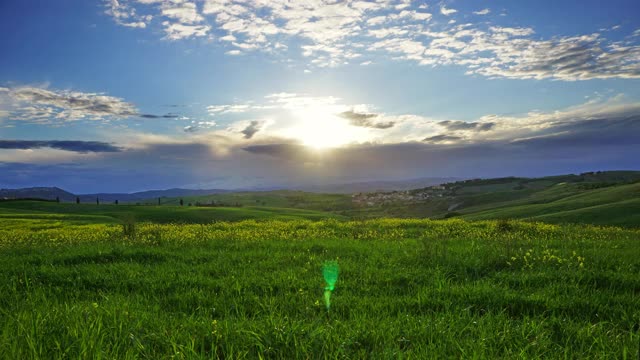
{"type": "Point", "coordinates": [330, 271]}
{"type": "Point", "coordinates": [327, 299]}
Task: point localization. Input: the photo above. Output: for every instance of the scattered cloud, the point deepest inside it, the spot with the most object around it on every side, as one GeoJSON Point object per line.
{"type": "Point", "coordinates": [228, 109]}
{"type": "Point", "coordinates": [446, 12]}
{"type": "Point", "coordinates": [251, 129]}
{"type": "Point", "coordinates": [48, 106]}
{"type": "Point", "coordinates": [125, 15]}
{"type": "Point", "coordinates": [365, 120]}
{"type": "Point", "coordinates": [554, 141]}
{"type": "Point", "coordinates": [165, 116]}
{"type": "Point", "coordinates": [463, 125]}
{"type": "Point", "coordinates": [42, 105]}
{"type": "Point", "coordinates": [484, 11]}
{"type": "Point", "coordinates": [177, 31]}
{"type": "Point", "coordinates": [442, 138]}
{"type": "Point", "coordinates": [330, 34]}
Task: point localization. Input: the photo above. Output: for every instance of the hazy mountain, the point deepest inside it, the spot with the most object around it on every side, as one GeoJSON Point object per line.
{"type": "Point", "coordinates": [51, 193]}
{"type": "Point", "coordinates": [46, 193]}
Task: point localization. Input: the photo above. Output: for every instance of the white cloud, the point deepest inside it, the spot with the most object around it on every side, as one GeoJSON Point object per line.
{"type": "Point", "coordinates": [182, 12]}
{"type": "Point", "coordinates": [446, 12]}
{"type": "Point", "coordinates": [331, 34]}
{"type": "Point", "coordinates": [35, 104]}
{"type": "Point", "coordinates": [177, 31]}
{"type": "Point", "coordinates": [482, 12]}
{"type": "Point", "coordinates": [125, 15]}
{"type": "Point", "coordinates": [39, 104]}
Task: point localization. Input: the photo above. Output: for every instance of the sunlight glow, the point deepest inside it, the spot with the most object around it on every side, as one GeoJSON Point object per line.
{"type": "Point", "coordinates": [319, 127]}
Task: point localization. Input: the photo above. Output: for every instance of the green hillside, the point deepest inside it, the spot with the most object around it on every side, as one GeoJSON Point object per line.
{"type": "Point", "coordinates": [603, 198]}
{"type": "Point", "coordinates": [159, 214]}
{"type": "Point", "coordinates": [615, 205]}
{"type": "Point", "coordinates": [277, 198]}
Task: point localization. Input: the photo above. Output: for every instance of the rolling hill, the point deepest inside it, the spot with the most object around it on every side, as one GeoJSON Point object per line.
{"type": "Point", "coordinates": [602, 198]}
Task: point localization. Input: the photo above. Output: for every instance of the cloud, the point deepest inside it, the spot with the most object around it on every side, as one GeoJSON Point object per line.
{"type": "Point", "coordinates": [41, 105]}
{"type": "Point", "coordinates": [165, 116]}
{"type": "Point", "coordinates": [463, 125]}
{"type": "Point", "coordinates": [67, 145]}
{"type": "Point", "coordinates": [446, 12]}
{"type": "Point", "coordinates": [365, 120]}
{"type": "Point", "coordinates": [125, 15]}
{"type": "Point", "coordinates": [251, 129]}
{"type": "Point", "coordinates": [484, 11]}
{"type": "Point", "coordinates": [597, 135]}
{"type": "Point", "coordinates": [177, 31]}
{"type": "Point", "coordinates": [331, 34]}
{"type": "Point", "coordinates": [227, 109]}
{"type": "Point", "coordinates": [182, 11]}
{"type": "Point", "coordinates": [442, 138]}
{"type": "Point", "coordinates": [199, 125]}
{"type": "Point", "coordinates": [38, 104]}
{"type": "Point", "coordinates": [284, 151]}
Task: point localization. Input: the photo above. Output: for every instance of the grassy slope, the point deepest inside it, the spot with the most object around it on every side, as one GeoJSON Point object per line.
{"type": "Point", "coordinates": [407, 289]}
{"type": "Point", "coordinates": [616, 205]}
{"type": "Point", "coordinates": [279, 198]}
{"type": "Point", "coordinates": [605, 199]}
{"type": "Point", "coordinates": [567, 198]}
{"type": "Point", "coordinates": [158, 214]}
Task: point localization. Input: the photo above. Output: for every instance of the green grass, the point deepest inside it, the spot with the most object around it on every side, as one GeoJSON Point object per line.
{"type": "Point", "coordinates": [156, 214]}
{"type": "Point", "coordinates": [608, 198]}
{"type": "Point", "coordinates": [410, 289]}
{"type": "Point", "coordinates": [277, 198]}
{"type": "Point", "coordinates": [615, 205]}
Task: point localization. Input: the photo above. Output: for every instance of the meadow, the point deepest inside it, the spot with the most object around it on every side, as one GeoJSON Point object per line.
{"type": "Point", "coordinates": [74, 287]}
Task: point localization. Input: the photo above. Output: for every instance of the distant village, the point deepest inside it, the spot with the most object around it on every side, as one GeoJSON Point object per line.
{"type": "Point", "coordinates": [407, 196]}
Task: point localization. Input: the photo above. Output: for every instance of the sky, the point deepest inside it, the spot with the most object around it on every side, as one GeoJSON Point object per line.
{"type": "Point", "coordinates": [131, 95]}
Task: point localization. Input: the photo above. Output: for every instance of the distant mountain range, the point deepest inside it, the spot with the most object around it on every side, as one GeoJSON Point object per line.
{"type": "Point", "coordinates": [51, 193]}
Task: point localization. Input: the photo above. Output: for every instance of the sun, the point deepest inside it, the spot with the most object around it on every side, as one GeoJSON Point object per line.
{"type": "Point", "coordinates": [320, 127]}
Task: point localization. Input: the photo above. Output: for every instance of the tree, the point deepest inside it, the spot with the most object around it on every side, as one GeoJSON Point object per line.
{"type": "Point", "coordinates": [77, 200]}
{"type": "Point", "coordinates": [158, 201]}
{"type": "Point", "coordinates": [116, 202]}
{"type": "Point", "coordinates": [97, 201]}
{"type": "Point", "coordinates": [181, 202]}
{"type": "Point", "coordinates": [58, 199]}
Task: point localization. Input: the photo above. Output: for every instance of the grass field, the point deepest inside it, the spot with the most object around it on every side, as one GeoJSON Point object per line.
{"type": "Point", "coordinates": [157, 214]}
{"type": "Point", "coordinates": [615, 205]}
{"type": "Point", "coordinates": [82, 288]}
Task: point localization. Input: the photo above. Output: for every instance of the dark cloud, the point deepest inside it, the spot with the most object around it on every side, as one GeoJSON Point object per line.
{"type": "Point", "coordinates": [251, 129]}
{"type": "Point", "coordinates": [595, 133]}
{"type": "Point", "coordinates": [454, 125]}
{"type": "Point", "coordinates": [365, 120]}
{"type": "Point", "coordinates": [441, 138]}
{"type": "Point", "coordinates": [569, 144]}
{"type": "Point", "coordinates": [165, 116]}
{"type": "Point", "coordinates": [75, 146]}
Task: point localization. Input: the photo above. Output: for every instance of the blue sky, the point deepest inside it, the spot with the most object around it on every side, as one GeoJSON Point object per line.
{"type": "Point", "coordinates": [129, 95]}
